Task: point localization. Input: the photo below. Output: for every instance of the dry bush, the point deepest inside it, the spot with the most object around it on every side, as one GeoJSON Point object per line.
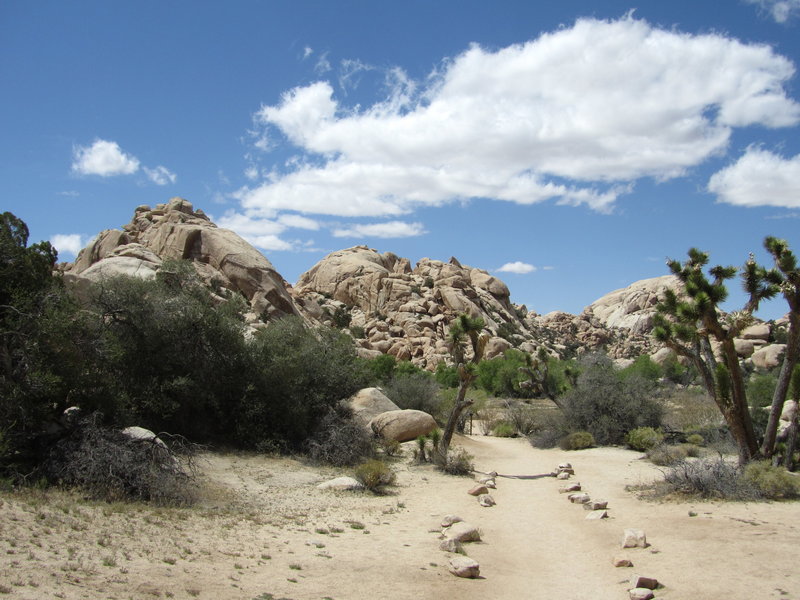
{"type": "Point", "coordinates": [111, 466]}
{"type": "Point", "coordinates": [664, 455]}
{"type": "Point", "coordinates": [643, 438]}
{"type": "Point", "coordinates": [708, 478]}
{"type": "Point", "coordinates": [340, 440]}
{"type": "Point", "coordinates": [374, 475]}
{"type": "Point", "coordinates": [459, 462]}
{"type": "Point", "coordinates": [691, 409]}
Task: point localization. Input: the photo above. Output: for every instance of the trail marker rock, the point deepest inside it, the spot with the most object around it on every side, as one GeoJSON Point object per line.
{"type": "Point", "coordinates": [463, 566]}
{"type": "Point", "coordinates": [634, 538]}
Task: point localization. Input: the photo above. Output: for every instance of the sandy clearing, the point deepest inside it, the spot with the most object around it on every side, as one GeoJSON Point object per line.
{"type": "Point", "coordinates": [270, 531]}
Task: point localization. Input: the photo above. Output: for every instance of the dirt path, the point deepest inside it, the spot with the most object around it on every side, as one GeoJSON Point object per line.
{"type": "Point", "coordinates": [273, 534]}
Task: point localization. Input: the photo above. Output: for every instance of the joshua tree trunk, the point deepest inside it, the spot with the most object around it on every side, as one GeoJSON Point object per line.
{"type": "Point", "coordinates": [782, 386]}
{"type": "Point", "coordinates": [461, 404]}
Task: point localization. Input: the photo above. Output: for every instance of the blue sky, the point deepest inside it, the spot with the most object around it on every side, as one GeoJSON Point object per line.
{"type": "Point", "coordinates": [567, 147]}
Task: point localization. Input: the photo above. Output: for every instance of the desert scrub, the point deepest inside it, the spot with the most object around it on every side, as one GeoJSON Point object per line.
{"type": "Point", "coordinates": [459, 462]}
{"type": "Point", "coordinates": [374, 475]}
{"type": "Point", "coordinates": [579, 440]}
{"type": "Point", "coordinates": [710, 478]}
{"type": "Point", "coordinates": [504, 429]}
{"type": "Point", "coordinates": [772, 482]}
{"type": "Point", "coordinates": [664, 455]}
{"type": "Point", "coordinates": [695, 439]}
{"type": "Point", "coordinates": [643, 438]}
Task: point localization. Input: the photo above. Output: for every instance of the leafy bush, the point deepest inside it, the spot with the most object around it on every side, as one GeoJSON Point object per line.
{"type": "Point", "coordinates": [504, 429]}
{"type": "Point", "coordinates": [695, 439]}
{"type": "Point", "coordinates": [357, 332]}
{"type": "Point", "coordinates": [109, 465]}
{"type": "Point", "coordinates": [643, 367]}
{"type": "Point", "coordinates": [772, 482]}
{"type": "Point", "coordinates": [381, 368]}
{"type": "Point", "coordinates": [417, 391]}
{"type": "Point", "coordinates": [459, 462]}
{"type": "Point", "coordinates": [508, 331]}
{"type": "Point", "coordinates": [578, 440]}
{"type": "Point", "coordinates": [446, 376]}
{"type": "Point", "coordinates": [665, 455]}
{"type": "Point", "coordinates": [501, 375]}
{"type": "Point", "coordinates": [340, 440]}
{"type": "Point", "coordinates": [643, 438]}
{"type": "Point", "coordinates": [374, 475]}
{"type": "Point", "coordinates": [608, 405]}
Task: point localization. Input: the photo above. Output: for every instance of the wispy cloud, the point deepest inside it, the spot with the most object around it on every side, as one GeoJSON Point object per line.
{"type": "Point", "coordinates": [575, 116]}
{"type": "Point", "coordinates": [307, 51]}
{"type": "Point", "coordinates": [759, 178]}
{"type": "Point", "coordinates": [160, 175]}
{"type": "Point", "coordinates": [519, 267]}
{"type": "Point", "coordinates": [104, 158]}
{"type": "Point", "coordinates": [779, 10]}
{"type": "Point", "coordinates": [323, 65]}
{"type": "Point", "coordinates": [391, 229]}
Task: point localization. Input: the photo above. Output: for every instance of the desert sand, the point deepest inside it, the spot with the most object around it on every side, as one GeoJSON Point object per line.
{"type": "Point", "coordinates": [265, 531]}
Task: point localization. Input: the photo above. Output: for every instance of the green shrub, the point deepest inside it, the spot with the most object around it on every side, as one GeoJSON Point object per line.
{"type": "Point", "coordinates": [772, 482]}
{"type": "Point", "coordinates": [374, 475]}
{"type": "Point", "coordinates": [643, 367]}
{"type": "Point", "coordinates": [504, 429]}
{"type": "Point", "coordinates": [578, 440]}
{"type": "Point", "coordinates": [643, 438]}
{"type": "Point", "coordinates": [501, 376]}
{"type": "Point", "coordinates": [446, 376]}
{"type": "Point", "coordinates": [417, 391]}
{"type": "Point", "coordinates": [664, 455]}
{"type": "Point", "coordinates": [607, 405]}
{"type": "Point", "coordinates": [381, 368]}
{"type": "Point", "coordinates": [459, 462]}
{"type": "Point", "coordinates": [357, 332]}
{"type": "Point", "coordinates": [696, 439]}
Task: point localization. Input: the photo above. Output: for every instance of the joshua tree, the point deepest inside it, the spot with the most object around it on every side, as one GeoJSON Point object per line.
{"type": "Point", "coordinates": [470, 328]}
{"type": "Point", "coordinates": [789, 281]}
{"type": "Point", "coordinates": [542, 380]}
{"type": "Point", "coordinates": [687, 324]}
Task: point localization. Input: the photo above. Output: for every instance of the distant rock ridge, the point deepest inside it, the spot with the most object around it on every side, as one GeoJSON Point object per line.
{"type": "Point", "coordinates": [385, 304]}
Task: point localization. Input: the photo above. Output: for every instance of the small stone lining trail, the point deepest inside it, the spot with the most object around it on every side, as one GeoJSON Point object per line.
{"type": "Point", "coordinates": [538, 545]}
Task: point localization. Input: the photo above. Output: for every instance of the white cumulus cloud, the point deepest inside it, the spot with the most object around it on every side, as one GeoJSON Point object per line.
{"type": "Point", "coordinates": [391, 229]}
{"type": "Point", "coordinates": [266, 233]}
{"type": "Point", "coordinates": [518, 267]}
{"type": "Point", "coordinates": [575, 116]}
{"type": "Point", "coordinates": [67, 243]}
{"type": "Point", "coordinates": [160, 175]}
{"type": "Point", "coordinates": [104, 158]}
{"type": "Point", "coordinates": [759, 178]}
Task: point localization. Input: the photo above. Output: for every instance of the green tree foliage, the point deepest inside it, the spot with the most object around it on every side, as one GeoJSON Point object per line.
{"type": "Point", "coordinates": [608, 405]}
{"type": "Point", "coordinates": [28, 294]}
{"type": "Point", "coordinates": [501, 376]}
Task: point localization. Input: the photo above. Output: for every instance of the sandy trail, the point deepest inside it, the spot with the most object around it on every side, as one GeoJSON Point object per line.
{"type": "Point", "coordinates": [283, 538]}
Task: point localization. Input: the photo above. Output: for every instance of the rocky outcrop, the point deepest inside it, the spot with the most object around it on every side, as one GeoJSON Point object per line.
{"type": "Point", "coordinates": [174, 230]}
{"type": "Point", "coordinates": [407, 312]}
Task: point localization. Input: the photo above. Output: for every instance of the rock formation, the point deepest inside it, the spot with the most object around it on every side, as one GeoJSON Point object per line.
{"type": "Point", "coordinates": [176, 231]}
{"type": "Point", "coordinates": [385, 304]}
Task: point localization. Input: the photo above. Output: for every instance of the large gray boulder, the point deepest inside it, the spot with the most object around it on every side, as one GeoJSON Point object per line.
{"type": "Point", "coordinates": [768, 357]}
{"type": "Point", "coordinates": [402, 425]}
{"type": "Point", "coordinates": [368, 403]}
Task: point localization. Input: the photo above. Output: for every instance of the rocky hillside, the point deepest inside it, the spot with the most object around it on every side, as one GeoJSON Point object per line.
{"type": "Point", "coordinates": [387, 305]}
